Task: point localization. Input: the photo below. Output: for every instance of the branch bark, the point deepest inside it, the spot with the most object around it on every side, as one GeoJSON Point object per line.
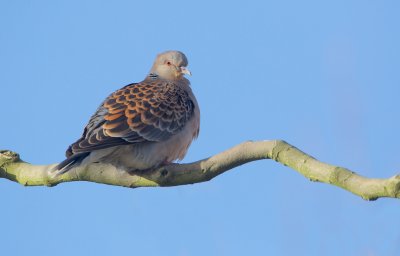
{"type": "Point", "coordinates": [14, 169]}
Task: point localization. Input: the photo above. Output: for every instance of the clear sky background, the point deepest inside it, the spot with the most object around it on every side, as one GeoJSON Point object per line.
{"type": "Point", "coordinates": [322, 75]}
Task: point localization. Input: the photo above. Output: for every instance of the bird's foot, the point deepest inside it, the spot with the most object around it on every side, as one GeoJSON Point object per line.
{"type": "Point", "coordinates": [164, 163]}
{"type": "Point", "coordinates": [144, 171]}
{"type": "Point", "coordinates": [139, 171]}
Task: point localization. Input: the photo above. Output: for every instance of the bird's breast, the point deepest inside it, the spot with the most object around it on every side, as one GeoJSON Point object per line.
{"type": "Point", "coordinates": [148, 155]}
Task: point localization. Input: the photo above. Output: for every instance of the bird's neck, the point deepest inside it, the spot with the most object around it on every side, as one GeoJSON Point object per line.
{"type": "Point", "coordinates": [152, 76]}
{"type": "Point", "coordinates": [172, 78]}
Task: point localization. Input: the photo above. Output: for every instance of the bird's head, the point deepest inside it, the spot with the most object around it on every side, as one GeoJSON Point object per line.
{"type": "Point", "coordinates": [170, 65]}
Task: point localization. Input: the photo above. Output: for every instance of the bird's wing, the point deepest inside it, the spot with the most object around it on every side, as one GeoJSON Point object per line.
{"type": "Point", "coordinates": [148, 111]}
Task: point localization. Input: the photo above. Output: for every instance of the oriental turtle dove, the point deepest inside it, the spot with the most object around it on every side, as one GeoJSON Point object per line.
{"type": "Point", "coordinates": [142, 125]}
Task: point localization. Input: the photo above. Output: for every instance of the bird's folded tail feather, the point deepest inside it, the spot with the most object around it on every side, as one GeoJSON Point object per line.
{"type": "Point", "coordinates": [69, 163]}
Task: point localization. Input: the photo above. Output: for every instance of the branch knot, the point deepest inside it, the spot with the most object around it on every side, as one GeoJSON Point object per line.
{"type": "Point", "coordinates": [7, 157]}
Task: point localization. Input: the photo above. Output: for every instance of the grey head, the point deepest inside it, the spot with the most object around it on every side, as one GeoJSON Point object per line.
{"type": "Point", "coordinates": [170, 65]}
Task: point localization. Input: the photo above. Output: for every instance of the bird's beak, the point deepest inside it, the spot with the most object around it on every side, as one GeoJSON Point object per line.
{"type": "Point", "coordinates": [186, 71]}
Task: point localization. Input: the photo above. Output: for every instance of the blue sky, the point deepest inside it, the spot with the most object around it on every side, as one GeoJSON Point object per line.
{"type": "Point", "coordinates": [322, 75]}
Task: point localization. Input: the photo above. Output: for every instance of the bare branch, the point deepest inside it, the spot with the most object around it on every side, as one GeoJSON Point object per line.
{"type": "Point", "coordinates": [14, 169]}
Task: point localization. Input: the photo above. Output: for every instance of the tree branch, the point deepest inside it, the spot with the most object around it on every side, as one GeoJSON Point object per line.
{"type": "Point", "coordinates": [14, 169]}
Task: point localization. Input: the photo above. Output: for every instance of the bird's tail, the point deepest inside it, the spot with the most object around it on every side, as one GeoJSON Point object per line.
{"type": "Point", "coordinates": [69, 163]}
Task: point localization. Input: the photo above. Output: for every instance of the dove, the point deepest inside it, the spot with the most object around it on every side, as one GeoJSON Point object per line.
{"type": "Point", "coordinates": [142, 125]}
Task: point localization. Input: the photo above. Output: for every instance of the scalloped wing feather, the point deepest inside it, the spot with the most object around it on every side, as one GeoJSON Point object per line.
{"type": "Point", "coordinates": [149, 111]}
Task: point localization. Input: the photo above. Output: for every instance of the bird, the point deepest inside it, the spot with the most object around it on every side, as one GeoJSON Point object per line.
{"type": "Point", "coordinates": [143, 125]}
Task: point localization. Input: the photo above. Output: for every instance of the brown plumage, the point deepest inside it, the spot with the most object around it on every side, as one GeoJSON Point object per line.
{"type": "Point", "coordinates": [142, 125]}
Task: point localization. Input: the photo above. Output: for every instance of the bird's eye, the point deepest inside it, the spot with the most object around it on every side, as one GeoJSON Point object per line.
{"type": "Point", "coordinates": [168, 63]}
